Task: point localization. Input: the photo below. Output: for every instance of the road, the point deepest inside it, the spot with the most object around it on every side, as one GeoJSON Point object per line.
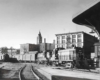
{"type": "Point", "coordinates": [67, 78]}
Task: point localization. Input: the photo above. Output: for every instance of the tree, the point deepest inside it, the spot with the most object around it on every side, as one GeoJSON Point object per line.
{"type": "Point", "coordinates": [6, 57]}
{"type": "Point", "coordinates": [4, 50]}
{"type": "Point", "coordinates": [48, 55]}
{"type": "Point", "coordinates": [18, 51]}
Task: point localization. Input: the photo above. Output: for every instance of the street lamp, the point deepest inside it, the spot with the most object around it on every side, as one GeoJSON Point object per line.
{"type": "Point", "coordinates": [91, 32]}
{"type": "Point", "coordinates": [93, 29]}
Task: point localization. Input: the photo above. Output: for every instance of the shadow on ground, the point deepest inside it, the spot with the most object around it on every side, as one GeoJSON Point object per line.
{"type": "Point", "coordinates": [3, 71]}
{"type": "Point", "coordinates": [67, 78]}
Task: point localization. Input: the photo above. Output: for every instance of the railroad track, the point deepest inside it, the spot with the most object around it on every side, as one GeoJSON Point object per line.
{"type": "Point", "coordinates": [27, 73]}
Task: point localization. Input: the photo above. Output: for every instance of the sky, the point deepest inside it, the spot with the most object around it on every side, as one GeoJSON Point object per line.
{"type": "Point", "coordinates": [21, 20]}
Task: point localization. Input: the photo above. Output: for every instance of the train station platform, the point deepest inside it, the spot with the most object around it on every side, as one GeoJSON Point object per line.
{"type": "Point", "coordinates": [53, 73]}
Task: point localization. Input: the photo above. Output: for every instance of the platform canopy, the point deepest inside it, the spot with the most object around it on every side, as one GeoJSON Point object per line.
{"type": "Point", "coordinates": [90, 17]}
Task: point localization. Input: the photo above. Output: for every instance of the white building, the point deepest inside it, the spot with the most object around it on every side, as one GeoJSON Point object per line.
{"type": "Point", "coordinates": [78, 39]}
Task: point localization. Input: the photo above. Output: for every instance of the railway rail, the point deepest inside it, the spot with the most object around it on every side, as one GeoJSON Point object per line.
{"type": "Point", "coordinates": [27, 73]}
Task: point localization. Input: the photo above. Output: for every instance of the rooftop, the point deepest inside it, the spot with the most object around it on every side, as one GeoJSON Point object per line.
{"type": "Point", "coordinates": [70, 33]}
{"type": "Point", "coordinates": [90, 18]}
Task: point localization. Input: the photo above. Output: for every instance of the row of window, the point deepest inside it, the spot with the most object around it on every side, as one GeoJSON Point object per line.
{"type": "Point", "coordinates": [70, 45]}
{"type": "Point", "coordinates": [68, 36]}
{"type": "Point", "coordinates": [69, 41]}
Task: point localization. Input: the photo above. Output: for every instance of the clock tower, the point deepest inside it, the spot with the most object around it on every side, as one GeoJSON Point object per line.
{"type": "Point", "coordinates": [39, 38]}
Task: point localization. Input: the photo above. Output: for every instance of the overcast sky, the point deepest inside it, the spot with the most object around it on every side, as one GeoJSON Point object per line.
{"type": "Point", "coordinates": [21, 20]}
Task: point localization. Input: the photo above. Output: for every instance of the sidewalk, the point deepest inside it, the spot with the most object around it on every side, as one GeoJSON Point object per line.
{"type": "Point", "coordinates": [45, 73]}
{"type": "Point", "coordinates": [97, 70]}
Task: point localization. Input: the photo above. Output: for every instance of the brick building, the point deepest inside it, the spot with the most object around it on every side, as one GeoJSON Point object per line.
{"type": "Point", "coordinates": [26, 48]}
{"type": "Point", "coordinates": [46, 47]}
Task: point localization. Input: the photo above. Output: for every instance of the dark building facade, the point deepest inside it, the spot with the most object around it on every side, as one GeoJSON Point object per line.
{"type": "Point", "coordinates": [26, 48]}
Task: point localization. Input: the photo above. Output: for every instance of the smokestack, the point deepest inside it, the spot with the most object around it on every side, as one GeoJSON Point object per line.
{"type": "Point", "coordinates": [44, 40]}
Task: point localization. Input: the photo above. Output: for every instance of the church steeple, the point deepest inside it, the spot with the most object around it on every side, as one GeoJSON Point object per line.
{"type": "Point", "coordinates": [39, 38]}
{"type": "Point", "coordinates": [39, 34]}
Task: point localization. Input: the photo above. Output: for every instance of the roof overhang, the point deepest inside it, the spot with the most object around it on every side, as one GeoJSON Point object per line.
{"type": "Point", "coordinates": [89, 17]}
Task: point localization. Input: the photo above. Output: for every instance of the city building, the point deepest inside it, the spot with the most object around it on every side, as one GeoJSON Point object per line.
{"type": "Point", "coordinates": [46, 46]}
{"type": "Point", "coordinates": [27, 48]}
{"type": "Point", "coordinates": [76, 39]}
{"type": "Point", "coordinates": [40, 46]}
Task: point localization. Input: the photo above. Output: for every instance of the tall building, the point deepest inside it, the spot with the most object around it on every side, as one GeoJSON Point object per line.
{"type": "Point", "coordinates": [39, 38]}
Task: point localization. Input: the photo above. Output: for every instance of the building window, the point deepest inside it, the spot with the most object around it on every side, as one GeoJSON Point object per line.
{"type": "Point", "coordinates": [79, 35]}
{"type": "Point", "coordinates": [73, 36]}
{"type": "Point", "coordinates": [98, 48]}
{"type": "Point", "coordinates": [63, 45]}
{"type": "Point", "coordinates": [68, 39]}
{"type": "Point", "coordinates": [73, 40]}
{"type": "Point", "coordinates": [79, 45]}
{"type": "Point", "coordinates": [58, 37]}
{"type": "Point", "coordinates": [69, 45]}
{"type": "Point", "coordinates": [63, 37]}
{"type": "Point", "coordinates": [79, 40]}
{"type": "Point", "coordinates": [57, 42]}
{"type": "Point", "coordinates": [63, 41]}
{"type": "Point", "coordinates": [58, 45]}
